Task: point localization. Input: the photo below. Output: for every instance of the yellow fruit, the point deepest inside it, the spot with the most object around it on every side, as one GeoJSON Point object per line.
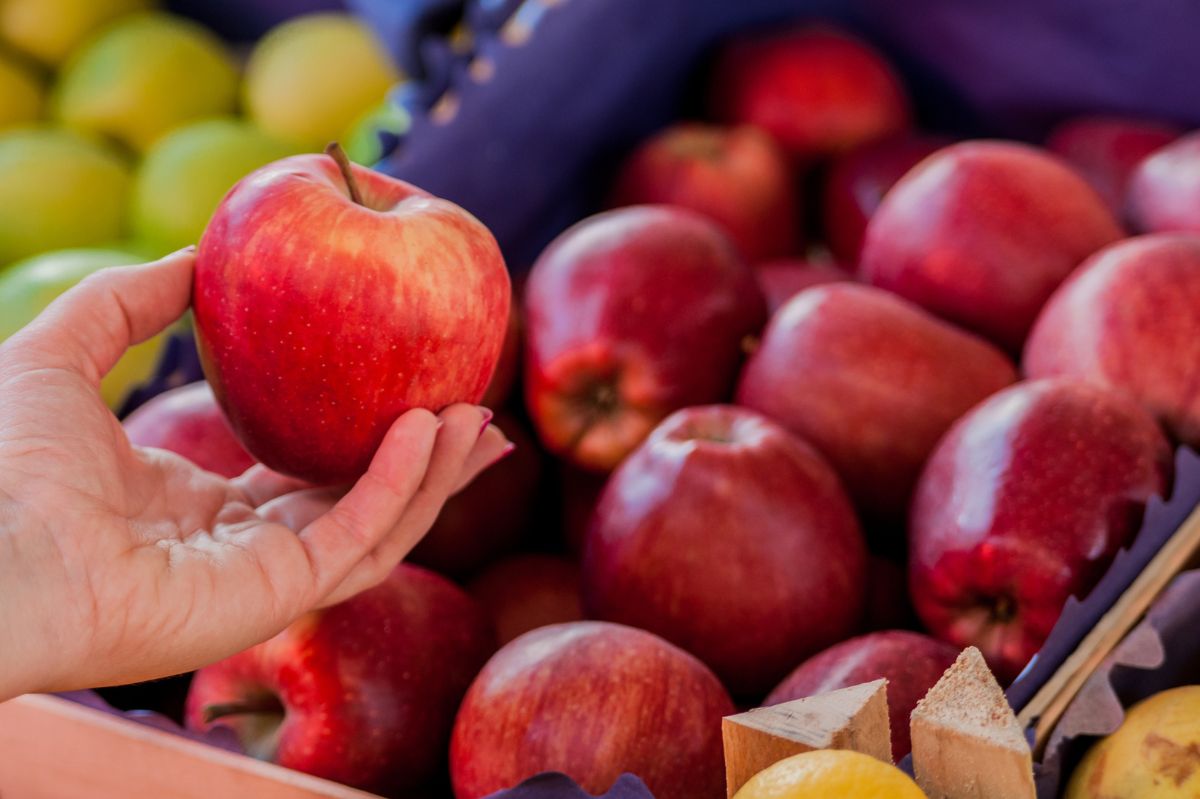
{"type": "Point", "coordinates": [830, 774]}
{"type": "Point", "coordinates": [20, 93]}
{"type": "Point", "coordinates": [26, 288]}
{"type": "Point", "coordinates": [144, 76]}
{"type": "Point", "coordinates": [311, 78]}
{"type": "Point", "coordinates": [58, 189]}
{"type": "Point", "coordinates": [49, 30]}
{"type": "Point", "coordinates": [1154, 753]}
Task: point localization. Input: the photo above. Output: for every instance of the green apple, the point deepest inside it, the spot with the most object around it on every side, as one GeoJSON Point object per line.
{"type": "Point", "coordinates": [312, 77]}
{"type": "Point", "coordinates": [184, 176]}
{"type": "Point", "coordinates": [26, 288]}
{"type": "Point", "coordinates": [20, 92]}
{"type": "Point", "coordinates": [362, 143]}
{"type": "Point", "coordinates": [57, 190]}
{"type": "Point", "coordinates": [144, 76]}
{"type": "Point", "coordinates": [49, 30]}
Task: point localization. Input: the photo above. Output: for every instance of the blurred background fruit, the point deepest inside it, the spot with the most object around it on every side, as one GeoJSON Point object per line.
{"type": "Point", "coordinates": [830, 773]}
{"type": "Point", "coordinates": [58, 190]}
{"type": "Point", "coordinates": [21, 92]}
{"type": "Point", "coordinates": [143, 76]}
{"type": "Point", "coordinates": [49, 30]}
{"type": "Point", "coordinates": [188, 422]}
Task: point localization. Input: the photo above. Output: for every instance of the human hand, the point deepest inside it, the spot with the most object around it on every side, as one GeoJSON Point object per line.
{"type": "Point", "coordinates": [120, 564]}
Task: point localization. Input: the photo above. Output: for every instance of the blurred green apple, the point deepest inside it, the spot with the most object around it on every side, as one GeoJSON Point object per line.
{"type": "Point", "coordinates": [49, 30]}
{"type": "Point", "coordinates": [144, 76]}
{"type": "Point", "coordinates": [21, 92]}
{"type": "Point", "coordinates": [363, 144]}
{"type": "Point", "coordinates": [188, 171]}
{"type": "Point", "coordinates": [26, 288]}
{"type": "Point", "coordinates": [312, 77]}
{"type": "Point", "coordinates": [58, 189]}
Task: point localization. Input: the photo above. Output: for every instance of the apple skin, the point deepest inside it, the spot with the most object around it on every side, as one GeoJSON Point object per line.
{"type": "Point", "coordinates": [189, 422]}
{"type": "Point", "coordinates": [909, 661]}
{"type": "Point", "coordinates": [982, 232]}
{"type": "Point", "coordinates": [738, 177]}
{"type": "Point", "coordinates": [857, 182]}
{"type": "Point", "coordinates": [490, 516]}
{"type": "Point", "coordinates": [816, 90]}
{"type": "Point", "coordinates": [1164, 191]}
{"type": "Point", "coordinates": [872, 381]}
{"type": "Point", "coordinates": [320, 321]}
{"type": "Point", "coordinates": [731, 538]}
{"type": "Point", "coordinates": [1106, 150]}
{"type": "Point", "coordinates": [1024, 504]}
{"type": "Point", "coordinates": [602, 364]}
{"type": "Point", "coordinates": [1129, 319]}
{"type": "Point", "coordinates": [785, 278]}
{"type": "Point", "coordinates": [524, 592]}
{"type": "Point", "coordinates": [592, 700]}
{"type": "Point", "coordinates": [369, 688]}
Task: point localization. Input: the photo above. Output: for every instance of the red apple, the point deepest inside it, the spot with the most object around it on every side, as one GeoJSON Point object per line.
{"type": "Point", "coordinates": [873, 381]}
{"type": "Point", "coordinates": [490, 516]}
{"type": "Point", "coordinates": [1024, 504]}
{"type": "Point", "coordinates": [328, 303]}
{"type": "Point", "coordinates": [504, 379]}
{"type": "Point", "coordinates": [188, 422]}
{"type": "Point", "coordinates": [856, 183]}
{"type": "Point", "coordinates": [1164, 191]}
{"type": "Point", "coordinates": [1106, 150]}
{"type": "Point", "coordinates": [363, 693]}
{"type": "Point", "coordinates": [1129, 319]}
{"type": "Point", "coordinates": [982, 232]}
{"type": "Point", "coordinates": [781, 280]}
{"type": "Point", "coordinates": [630, 315]}
{"type": "Point", "coordinates": [816, 90]}
{"type": "Point", "coordinates": [910, 662]}
{"type": "Point", "coordinates": [524, 592]}
{"type": "Point", "coordinates": [737, 177]}
{"type": "Point", "coordinates": [592, 700]}
{"type": "Point", "coordinates": [731, 538]}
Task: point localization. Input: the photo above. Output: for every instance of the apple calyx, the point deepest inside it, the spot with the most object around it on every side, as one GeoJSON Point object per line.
{"type": "Point", "coordinates": [335, 151]}
{"type": "Point", "coordinates": [265, 703]}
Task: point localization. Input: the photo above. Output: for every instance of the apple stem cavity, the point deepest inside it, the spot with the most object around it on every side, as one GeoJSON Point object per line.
{"type": "Point", "coordinates": [335, 151]}
{"type": "Point", "coordinates": [267, 703]}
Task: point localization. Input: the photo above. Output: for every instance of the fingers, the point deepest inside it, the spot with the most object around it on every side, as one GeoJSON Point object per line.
{"type": "Point", "coordinates": [492, 446]}
{"type": "Point", "coordinates": [260, 485]}
{"type": "Point", "coordinates": [89, 327]}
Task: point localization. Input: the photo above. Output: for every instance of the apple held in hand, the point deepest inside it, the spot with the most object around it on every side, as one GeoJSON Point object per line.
{"type": "Point", "coordinates": [982, 232]}
{"type": "Point", "coordinates": [1024, 504]}
{"type": "Point", "coordinates": [731, 538]}
{"type": "Point", "coordinates": [1129, 319]}
{"type": "Point", "coordinates": [330, 300]}
{"type": "Point", "coordinates": [363, 693]}
{"type": "Point", "coordinates": [592, 700]}
{"type": "Point", "coordinates": [629, 315]}
{"type": "Point", "coordinates": [872, 381]}
{"type": "Point", "coordinates": [188, 422]}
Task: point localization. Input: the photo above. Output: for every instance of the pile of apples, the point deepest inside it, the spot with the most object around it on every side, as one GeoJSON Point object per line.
{"type": "Point", "coordinates": [764, 455]}
{"type": "Point", "coordinates": [122, 126]}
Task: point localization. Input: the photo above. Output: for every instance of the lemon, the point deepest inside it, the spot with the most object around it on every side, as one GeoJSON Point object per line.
{"type": "Point", "coordinates": [830, 774]}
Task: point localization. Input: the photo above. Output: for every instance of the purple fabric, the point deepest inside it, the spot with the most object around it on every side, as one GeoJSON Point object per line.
{"type": "Point", "coordinates": [244, 20]}
{"type": "Point", "coordinates": [559, 786]}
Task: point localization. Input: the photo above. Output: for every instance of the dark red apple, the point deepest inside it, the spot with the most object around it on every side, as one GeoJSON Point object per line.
{"type": "Point", "coordinates": [1107, 149]}
{"type": "Point", "coordinates": [737, 177]}
{"type": "Point", "coordinates": [328, 302]}
{"type": "Point", "coordinates": [856, 183]}
{"type": "Point", "coordinates": [731, 538]}
{"type": "Point", "coordinates": [490, 516]}
{"type": "Point", "coordinates": [594, 701]}
{"type": "Point", "coordinates": [781, 280]}
{"type": "Point", "coordinates": [504, 379]}
{"type": "Point", "coordinates": [524, 592]}
{"type": "Point", "coordinates": [631, 314]}
{"type": "Point", "coordinates": [910, 662]}
{"type": "Point", "coordinates": [1024, 504]}
{"type": "Point", "coordinates": [363, 693]}
{"type": "Point", "coordinates": [982, 232]}
{"type": "Point", "coordinates": [1164, 191]}
{"type": "Point", "coordinates": [1129, 319]}
{"type": "Point", "coordinates": [873, 381]}
{"type": "Point", "coordinates": [188, 422]}
{"type": "Point", "coordinates": [817, 90]}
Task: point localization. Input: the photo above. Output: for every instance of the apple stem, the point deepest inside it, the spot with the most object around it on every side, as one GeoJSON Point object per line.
{"type": "Point", "coordinates": [263, 704]}
{"type": "Point", "coordinates": [335, 151]}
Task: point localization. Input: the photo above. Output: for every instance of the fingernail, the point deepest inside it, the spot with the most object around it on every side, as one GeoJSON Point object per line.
{"type": "Point", "coordinates": [189, 248]}
{"type": "Point", "coordinates": [487, 419]}
{"type": "Point", "coordinates": [440, 423]}
{"type": "Point", "coordinates": [509, 448]}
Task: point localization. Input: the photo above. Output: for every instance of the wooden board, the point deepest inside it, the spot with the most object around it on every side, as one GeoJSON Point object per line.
{"type": "Point", "coordinates": [51, 748]}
